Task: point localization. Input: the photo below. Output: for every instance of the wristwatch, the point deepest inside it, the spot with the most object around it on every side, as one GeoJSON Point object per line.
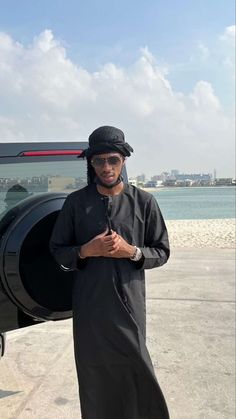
{"type": "Point", "coordinates": [137, 254]}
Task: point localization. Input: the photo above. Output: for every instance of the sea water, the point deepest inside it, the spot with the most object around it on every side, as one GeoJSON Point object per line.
{"type": "Point", "coordinates": [184, 203]}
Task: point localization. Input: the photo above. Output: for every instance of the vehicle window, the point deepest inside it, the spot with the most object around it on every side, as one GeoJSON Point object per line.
{"type": "Point", "coordinates": [18, 181]}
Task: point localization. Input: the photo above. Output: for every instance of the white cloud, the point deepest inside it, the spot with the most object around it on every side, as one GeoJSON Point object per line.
{"type": "Point", "coordinates": [214, 61]}
{"type": "Point", "coordinates": [204, 97]}
{"type": "Point", "coordinates": [229, 34]}
{"type": "Point", "coordinates": [45, 96]}
{"type": "Point", "coordinates": [204, 51]}
{"type": "Point", "coordinates": [227, 41]}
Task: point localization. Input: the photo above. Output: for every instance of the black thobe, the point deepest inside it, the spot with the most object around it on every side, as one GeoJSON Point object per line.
{"type": "Point", "coordinates": [115, 373]}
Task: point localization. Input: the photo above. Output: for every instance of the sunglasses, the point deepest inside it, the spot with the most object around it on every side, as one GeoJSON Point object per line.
{"type": "Point", "coordinates": [101, 161]}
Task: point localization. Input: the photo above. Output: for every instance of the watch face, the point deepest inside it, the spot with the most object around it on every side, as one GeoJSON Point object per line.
{"type": "Point", "coordinates": [138, 254]}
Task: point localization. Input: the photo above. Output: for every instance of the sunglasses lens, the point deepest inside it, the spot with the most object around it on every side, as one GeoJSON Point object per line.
{"type": "Point", "coordinates": [97, 162]}
{"type": "Point", "coordinates": [100, 161]}
{"type": "Point", "coordinates": [113, 160]}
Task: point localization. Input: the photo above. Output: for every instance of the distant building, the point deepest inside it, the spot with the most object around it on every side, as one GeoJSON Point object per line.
{"type": "Point", "coordinates": [141, 178]}
{"type": "Point", "coordinates": [150, 184]}
{"type": "Point", "coordinates": [58, 183]}
{"type": "Point", "coordinates": [36, 183]}
{"type": "Point", "coordinates": [156, 178]}
{"type": "Point", "coordinates": [169, 182]}
{"type": "Point", "coordinates": [224, 182]}
{"type": "Point", "coordinates": [164, 176]}
{"type": "Point", "coordinates": [194, 176]}
{"type": "Point", "coordinates": [174, 172]}
{"type": "Point", "coordinates": [186, 182]}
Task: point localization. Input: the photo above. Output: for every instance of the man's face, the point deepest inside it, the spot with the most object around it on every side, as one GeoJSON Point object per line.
{"type": "Point", "coordinates": [108, 167]}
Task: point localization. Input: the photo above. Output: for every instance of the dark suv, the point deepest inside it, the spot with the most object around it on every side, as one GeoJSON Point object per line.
{"type": "Point", "coordinates": [35, 179]}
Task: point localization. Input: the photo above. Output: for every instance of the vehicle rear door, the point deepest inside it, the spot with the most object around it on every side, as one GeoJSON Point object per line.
{"type": "Point", "coordinates": [35, 179]}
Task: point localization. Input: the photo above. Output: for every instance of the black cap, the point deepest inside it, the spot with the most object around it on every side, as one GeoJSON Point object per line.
{"type": "Point", "coordinates": [107, 139]}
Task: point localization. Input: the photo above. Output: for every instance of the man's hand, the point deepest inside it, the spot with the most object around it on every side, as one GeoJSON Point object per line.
{"type": "Point", "coordinates": [112, 245]}
{"type": "Point", "coordinates": [100, 245]}
{"type": "Point", "coordinates": [124, 249]}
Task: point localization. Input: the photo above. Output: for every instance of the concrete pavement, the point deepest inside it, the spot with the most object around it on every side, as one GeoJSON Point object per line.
{"type": "Point", "coordinates": [190, 336]}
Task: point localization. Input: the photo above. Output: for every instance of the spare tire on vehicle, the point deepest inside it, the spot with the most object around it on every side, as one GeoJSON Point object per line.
{"type": "Point", "coordinates": [28, 273]}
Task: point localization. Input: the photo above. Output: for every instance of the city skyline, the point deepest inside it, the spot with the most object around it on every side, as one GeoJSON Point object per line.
{"type": "Point", "coordinates": [177, 179]}
{"type": "Point", "coordinates": [213, 174]}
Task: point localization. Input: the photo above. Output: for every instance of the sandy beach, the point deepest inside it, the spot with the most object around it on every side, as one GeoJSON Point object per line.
{"type": "Point", "coordinates": [215, 233]}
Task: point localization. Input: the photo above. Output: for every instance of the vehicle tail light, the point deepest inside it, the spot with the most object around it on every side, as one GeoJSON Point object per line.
{"type": "Point", "coordinates": [50, 153]}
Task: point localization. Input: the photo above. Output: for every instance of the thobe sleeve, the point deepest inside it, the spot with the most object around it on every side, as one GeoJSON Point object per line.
{"type": "Point", "coordinates": [62, 243]}
{"type": "Point", "coordinates": [156, 249]}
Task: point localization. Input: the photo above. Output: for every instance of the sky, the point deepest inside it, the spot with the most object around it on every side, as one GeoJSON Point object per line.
{"type": "Point", "coordinates": [161, 70]}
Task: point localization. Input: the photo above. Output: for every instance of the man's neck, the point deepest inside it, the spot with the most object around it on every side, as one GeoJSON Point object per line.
{"type": "Point", "coordinates": [115, 190]}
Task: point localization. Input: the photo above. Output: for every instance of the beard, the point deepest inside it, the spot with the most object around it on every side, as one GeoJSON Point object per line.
{"type": "Point", "coordinates": [98, 181]}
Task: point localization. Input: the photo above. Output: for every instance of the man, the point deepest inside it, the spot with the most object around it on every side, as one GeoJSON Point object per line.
{"type": "Point", "coordinates": [108, 233]}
